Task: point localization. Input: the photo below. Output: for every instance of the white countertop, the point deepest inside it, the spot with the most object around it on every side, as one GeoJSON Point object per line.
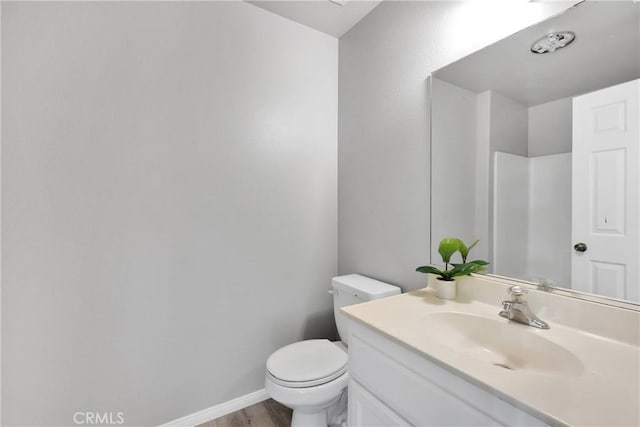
{"type": "Point", "coordinates": [605, 391]}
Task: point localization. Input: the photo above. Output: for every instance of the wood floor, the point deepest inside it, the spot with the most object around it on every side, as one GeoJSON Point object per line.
{"type": "Point", "coordinates": [264, 414]}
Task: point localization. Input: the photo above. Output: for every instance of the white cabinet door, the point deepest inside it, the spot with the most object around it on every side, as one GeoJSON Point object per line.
{"type": "Point", "coordinates": [367, 411]}
{"type": "Point", "coordinates": [606, 192]}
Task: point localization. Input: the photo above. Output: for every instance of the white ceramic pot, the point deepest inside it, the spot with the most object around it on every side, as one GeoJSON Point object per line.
{"type": "Point", "coordinates": [445, 289]}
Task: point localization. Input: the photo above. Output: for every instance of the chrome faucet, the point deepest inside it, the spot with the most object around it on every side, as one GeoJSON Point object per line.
{"type": "Point", "coordinates": [518, 309]}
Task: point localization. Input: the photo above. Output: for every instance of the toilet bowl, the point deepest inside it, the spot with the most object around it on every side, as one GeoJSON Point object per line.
{"type": "Point", "coordinates": [316, 378]}
{"type": "Point", "coordinates": [311, 376]}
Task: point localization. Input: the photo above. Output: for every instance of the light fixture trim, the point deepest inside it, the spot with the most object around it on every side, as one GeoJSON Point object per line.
{"type": "Point", "coordinates": [553, 41]}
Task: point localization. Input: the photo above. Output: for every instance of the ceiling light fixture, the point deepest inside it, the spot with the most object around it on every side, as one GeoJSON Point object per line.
{"type": "Point", "coordinates": [553, 41]}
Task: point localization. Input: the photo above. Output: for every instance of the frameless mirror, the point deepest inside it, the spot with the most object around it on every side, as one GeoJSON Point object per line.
{"type": "Point", "coordinates": [537, 155]}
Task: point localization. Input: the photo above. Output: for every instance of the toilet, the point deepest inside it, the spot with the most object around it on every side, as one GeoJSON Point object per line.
{"type": "Point", "coordinates": [311, 376]}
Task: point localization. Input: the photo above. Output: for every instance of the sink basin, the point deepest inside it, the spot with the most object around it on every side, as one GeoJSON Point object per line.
{"type": "Point", "coordinates": [505, 345]}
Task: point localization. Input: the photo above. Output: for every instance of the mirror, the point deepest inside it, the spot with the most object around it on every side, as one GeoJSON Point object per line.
{"type": "Point", "coordinates": [537, 155]}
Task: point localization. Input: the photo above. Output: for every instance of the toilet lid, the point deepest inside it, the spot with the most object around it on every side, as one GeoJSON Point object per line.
{"type": "Point", "coordinates": [307, 361]}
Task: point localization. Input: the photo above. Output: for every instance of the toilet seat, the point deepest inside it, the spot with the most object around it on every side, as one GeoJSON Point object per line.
{"type": "Point", "coordinates": [307, 363]}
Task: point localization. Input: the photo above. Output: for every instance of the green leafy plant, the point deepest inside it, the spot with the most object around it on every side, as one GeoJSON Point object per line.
{"type": "Point", "coordinates": [447, 248]}
{"type": "Point", "coordinates": [464, 249]}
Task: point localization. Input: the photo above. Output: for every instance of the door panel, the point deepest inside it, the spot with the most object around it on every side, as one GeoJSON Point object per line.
{"type": "Point", "coordinates": [606, 192]}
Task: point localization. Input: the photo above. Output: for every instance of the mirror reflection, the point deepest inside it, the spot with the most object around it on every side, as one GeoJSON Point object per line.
{"type": "Point", "coordinates": [536, 154]}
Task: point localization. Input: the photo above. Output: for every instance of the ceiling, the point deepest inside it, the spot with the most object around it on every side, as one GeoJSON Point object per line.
{"type": "Point", "coordinates": [606, 52]}
{"type": "Point", "coordinates": [322, 15]}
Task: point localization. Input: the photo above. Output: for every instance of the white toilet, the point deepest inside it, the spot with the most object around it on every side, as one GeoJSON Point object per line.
{"type": "Point", "coordinates": [311, 376]}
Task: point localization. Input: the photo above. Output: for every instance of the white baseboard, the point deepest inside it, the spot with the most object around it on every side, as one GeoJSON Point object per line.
{"type": "Point", "coordinates": [218, 411]}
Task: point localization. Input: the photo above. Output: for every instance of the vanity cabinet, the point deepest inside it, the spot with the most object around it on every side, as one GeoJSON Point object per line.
{"type": "Point", "coordinates": [392, 385]}
{"type": "Point", "coordinates": [367, 410]}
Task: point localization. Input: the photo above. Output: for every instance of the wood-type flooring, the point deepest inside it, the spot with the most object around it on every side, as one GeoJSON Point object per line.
{"type": "Point", "coordinates": [264, 414]}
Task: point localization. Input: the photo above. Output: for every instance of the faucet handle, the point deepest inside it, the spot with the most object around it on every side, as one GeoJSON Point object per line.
{"type": "Point", "coordinates": [518, 293]}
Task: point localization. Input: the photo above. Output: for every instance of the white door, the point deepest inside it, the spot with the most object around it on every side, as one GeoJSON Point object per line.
{"type": "Point", "coordinates": [606, 192]}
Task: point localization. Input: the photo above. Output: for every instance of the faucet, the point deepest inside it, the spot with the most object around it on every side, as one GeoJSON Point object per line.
{"type": "Point", "coordinates": [518, 309]}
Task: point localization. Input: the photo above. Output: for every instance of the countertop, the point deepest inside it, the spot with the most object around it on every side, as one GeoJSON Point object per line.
{"type": "Point", "coordinates": [603, 390]}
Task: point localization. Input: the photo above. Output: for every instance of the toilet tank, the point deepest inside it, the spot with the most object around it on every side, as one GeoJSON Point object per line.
{"type": "Point", "coordinates": [355, 289]}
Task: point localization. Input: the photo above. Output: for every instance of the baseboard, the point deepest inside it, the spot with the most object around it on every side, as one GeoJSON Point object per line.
{"type": "Point", "coordinates": [218, 411]}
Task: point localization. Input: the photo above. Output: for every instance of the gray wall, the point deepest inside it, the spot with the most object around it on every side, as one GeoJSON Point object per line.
{"type": "Point", "coordinates": [484, 219]}
{"type": "Point", "coordinates": [169, 203]}
{"type": "Point", "coordinates": [507, 134]}
{"type": "Point", "coordinates": [550, 127]}
{"type": "Point", "coordinates": [383, 154]}
{"type": "Point", "coordinates": [509, 126]}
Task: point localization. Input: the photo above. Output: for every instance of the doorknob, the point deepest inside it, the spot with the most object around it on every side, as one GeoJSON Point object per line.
{"type": "Point", "coordinates": [580, 247]}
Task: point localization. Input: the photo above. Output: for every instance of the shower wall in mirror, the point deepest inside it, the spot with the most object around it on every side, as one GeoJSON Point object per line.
{"type": "Point", "coordinates": [537, 154]}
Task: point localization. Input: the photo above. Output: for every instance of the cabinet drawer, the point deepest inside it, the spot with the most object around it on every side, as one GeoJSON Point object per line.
{"type": "Point", "coordinates": [414, 397]}
{"type": "Point", "coordinates": [422, 392]}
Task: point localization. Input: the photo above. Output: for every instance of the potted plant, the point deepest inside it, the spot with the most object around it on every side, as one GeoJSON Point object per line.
{"type": "Point", "coordinates": [445, 283]}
